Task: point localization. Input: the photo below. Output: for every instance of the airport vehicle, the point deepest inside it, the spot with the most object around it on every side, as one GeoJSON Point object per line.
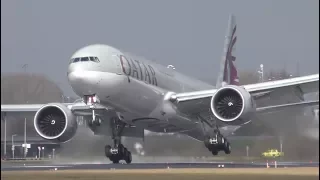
{"type": "Point", "coordinates": [124, 94]}
{"type": "Point", "coordinates": [272, 153]}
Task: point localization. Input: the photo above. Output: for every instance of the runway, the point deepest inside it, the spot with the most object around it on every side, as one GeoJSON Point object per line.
{"type": "Point", "coordinates": [30, 166]}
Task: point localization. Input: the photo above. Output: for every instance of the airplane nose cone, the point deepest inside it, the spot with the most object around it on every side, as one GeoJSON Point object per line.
{"type": "Point", "coordinates": [83, 82]}
{"type": "Point", "coordinates": [76, 77]}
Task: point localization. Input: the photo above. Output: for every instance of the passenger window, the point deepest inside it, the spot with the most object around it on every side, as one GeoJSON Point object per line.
{"type": "Point", "coordinates": [84, 59]}
{"type": "Point", "coordinates": [76, 60]}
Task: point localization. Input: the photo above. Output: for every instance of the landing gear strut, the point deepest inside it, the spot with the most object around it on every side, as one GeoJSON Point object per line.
{"type": "Point", "coordinates": [218, 143]}
{"type": "Point", "coordinates": [94, 121]}
{"type": "Point", "coordinates": [118, 151]}
{"type": "Point", "coordinates": [92, 100]}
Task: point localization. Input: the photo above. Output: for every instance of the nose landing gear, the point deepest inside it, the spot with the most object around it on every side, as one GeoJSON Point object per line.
{"type": "Point", "coordinates": [118, 151]}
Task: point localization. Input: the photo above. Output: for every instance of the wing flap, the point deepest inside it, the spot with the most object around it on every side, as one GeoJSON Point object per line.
{"type": "Point", "coordinates": [193, 102]}
{"type": "Point", "coordinates": [283, 107]}
{"type": "Point", "coordinates": [182, 97]}
{"type": "Point", "coordinates": [307, 84]}
{"type": "Point", "coordinates": [194, 106]}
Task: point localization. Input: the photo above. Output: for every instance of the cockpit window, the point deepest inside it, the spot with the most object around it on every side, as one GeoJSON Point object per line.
{"type": "Point", "coordinates": [76, 60]}
{"type": "Point", "coordinates": [91, 58]}
{"type": "Point", "coordinates": [84, 59]}
{"type": "Point", "coordinates": [96, 58]}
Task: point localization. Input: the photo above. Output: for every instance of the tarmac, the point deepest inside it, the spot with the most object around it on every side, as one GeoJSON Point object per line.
{"type": "Point", "coordinates": [21, 166]}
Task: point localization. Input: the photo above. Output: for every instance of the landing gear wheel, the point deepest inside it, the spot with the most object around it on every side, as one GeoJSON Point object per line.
{"type": "Point", "coordinates": [220, 139]}
{"type": "Point", "coordinates": [121, 150]}
{"type": "Point", "coordinates": [214, 152]}
{"type": "Point", "coordinates": [227, 148]}
{"type": "Point", "coordinates": [107, 150]}
{"type": "Point", "coordinates": [97, 122]}
{"type": "Point", "coordinates": [128, 157]}
{"type": "Point", "coordinates": [115, 161]}
{"type": "Point", "coordinates": [115, 158]}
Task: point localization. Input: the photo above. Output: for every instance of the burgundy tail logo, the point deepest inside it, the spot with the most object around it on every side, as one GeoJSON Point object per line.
{"type": "Point", "coordinates": [230, 74]}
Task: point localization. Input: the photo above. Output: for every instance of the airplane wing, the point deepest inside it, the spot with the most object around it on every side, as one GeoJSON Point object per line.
{"type": "Point", "coordinates": [20, 107]}
{"type": "Point", "coordinates": [23, 107]}
{"type": "Point", "coordinates": [304, 84]}
{"type": "Point", "coordinates": [199, 101]}
{"type": "Point", "coordinates": [79, 108]}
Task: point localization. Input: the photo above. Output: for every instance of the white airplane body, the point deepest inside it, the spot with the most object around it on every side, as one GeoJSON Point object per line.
{"type": "Point", "coordinates": [124, 94]}
{"type": "Point", "coordinates": [137, 95]}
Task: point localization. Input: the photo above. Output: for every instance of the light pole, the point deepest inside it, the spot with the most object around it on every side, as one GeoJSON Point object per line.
{"type": "Point", "coordinates": [261, 73]}
{"type": "Point", "coordinates": [53, 153]}
{"type": "Point", "coordinates": [25, 137]}
{"type": "Point", "coordinates": [5, 134]}
{"type": "Point", "coordinates": [247, 148]}
{"type": "Point", "coordinates": [316, 113]}
{"type": "Point", "coordinates": [281, 143]}
{"type": "Point", "coordinates": [12, 145]}
{"type": "Point", "coordinates": [43, 151]}
{"type": "Point", "coordinates": [25, 66]}
{"type": "Point", "coordinates": [39, 155]}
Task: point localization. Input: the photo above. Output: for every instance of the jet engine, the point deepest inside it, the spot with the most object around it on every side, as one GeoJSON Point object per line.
{"type": "Point", "coordinates": [232, 105]}
{"type": "Point", "coordinates": [55, 122]}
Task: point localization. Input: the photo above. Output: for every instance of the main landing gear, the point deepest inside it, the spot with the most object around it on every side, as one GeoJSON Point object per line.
{"type": "Point", "coordinates": [118, 151]}
{"type": "Point", "coordinates": [218, 143]}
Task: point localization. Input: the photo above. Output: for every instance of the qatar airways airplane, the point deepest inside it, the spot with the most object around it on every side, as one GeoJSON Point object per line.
{"type": "Point", "coordinates": [123, 95]}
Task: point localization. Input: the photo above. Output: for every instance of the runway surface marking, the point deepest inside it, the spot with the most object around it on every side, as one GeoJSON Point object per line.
{"type": "Point", "coordinates": [6, 167]}
{"type": "Point", "coordinates": [38, 166]}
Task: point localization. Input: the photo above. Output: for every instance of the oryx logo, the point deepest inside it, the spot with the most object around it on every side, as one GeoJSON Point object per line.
{"type": "Point", "coordinates": [230, 74]}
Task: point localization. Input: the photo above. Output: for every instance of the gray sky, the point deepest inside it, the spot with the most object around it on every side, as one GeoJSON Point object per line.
{"type": "Point", "coordinates": [186, 33]}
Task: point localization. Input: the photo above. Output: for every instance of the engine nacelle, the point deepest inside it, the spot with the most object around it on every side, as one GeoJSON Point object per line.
{"type": "Point", "coordinates": [55, 122]}
{"type": "Point", "coordinates": [233, 105]}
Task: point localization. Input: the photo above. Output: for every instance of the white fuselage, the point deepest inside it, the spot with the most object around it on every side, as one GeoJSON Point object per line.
{"type": "Point", "coordinates": [134, 86]}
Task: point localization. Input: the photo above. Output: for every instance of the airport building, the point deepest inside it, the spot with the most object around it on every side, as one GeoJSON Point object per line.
{"type": "Point", "coordinates": [153, 144]}
{"type": "Point", "coordinates": [13, 138]}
